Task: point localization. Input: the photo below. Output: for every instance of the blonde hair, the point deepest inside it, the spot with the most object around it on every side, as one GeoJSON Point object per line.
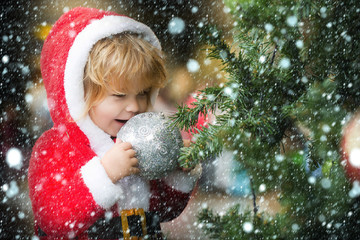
{"type": "Point", "coordinates": [123, 63]}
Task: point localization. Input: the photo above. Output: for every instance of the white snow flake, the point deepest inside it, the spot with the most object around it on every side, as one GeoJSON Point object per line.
{"type": "Point", "coordinates": [355, 191]}
{"type": "Point", "coordinates": [176, 25]}
{"type": "Point", "coordinates": [326, 183]}
{"type": "Point", "coordinates": [5, 59]}
{"type": "Point", "coordinates": [248, 227]}
{"type": "Point", "coordinates": [269, 27]}
{"type": "Point", "coordinates": [194, 9]}
{"type": "Point", "coordinates": [262, 187]}
{"type": "Point", "coordinates": [326, 128]}
{"type": "Point", "coordinates": [299, 44]}
{"type": "Point", "coordinates": [262, 59]}
{"type": "Point", "coordinates": [354, 157]}
{"type": "Point", "coordinates": [295, 227]}
{"type": "Point", "coordinates": [14, 158]}
{"type": "Point", "coordinates": [279, 158]}
{"type": "Point", "coordinates": [292, 21]}
{"type": "Point", "coordinates": [11, 191]}
{"type": "Point", "coordinates": [193, 66]}
{"type": "Point", "coordinates": [312, 180]}
{"type": "Point", "coordinates": [284, 63]}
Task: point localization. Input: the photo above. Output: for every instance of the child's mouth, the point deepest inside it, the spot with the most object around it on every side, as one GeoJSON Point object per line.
{"type": "Point", "coordinates": [121, 121]}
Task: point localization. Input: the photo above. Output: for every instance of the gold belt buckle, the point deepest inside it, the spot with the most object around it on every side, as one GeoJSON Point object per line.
{"type": "Point", "coordinates": [125, 224]}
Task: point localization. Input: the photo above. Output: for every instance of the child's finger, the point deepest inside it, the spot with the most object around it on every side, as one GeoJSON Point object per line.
{"type": "Point", "coordinates": [134, 162]}
{"type": "Point", "coordinates": [134, 170]}
{"type": "Point", "coordinates": [118, 140]}
{"type": "Point", "coordinates": [125, 145]}
{"type": "Point", "coordinates": [131, 152]}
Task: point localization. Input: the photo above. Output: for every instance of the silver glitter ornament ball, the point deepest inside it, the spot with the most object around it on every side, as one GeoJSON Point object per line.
{"type": "Point", "coordinates": [157, 144]}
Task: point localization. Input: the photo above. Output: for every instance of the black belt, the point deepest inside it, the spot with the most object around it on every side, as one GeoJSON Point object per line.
{"type": "Point", "coordinates": [113, 228]}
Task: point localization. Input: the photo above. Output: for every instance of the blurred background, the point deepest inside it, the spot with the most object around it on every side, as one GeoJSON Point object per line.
{"type": "Point", "coordinates": [24, 115]}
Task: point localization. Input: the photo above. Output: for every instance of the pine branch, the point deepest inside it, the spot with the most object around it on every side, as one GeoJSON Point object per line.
{"type": "Point", "coordinates": [206, 102]}
{"type": "Point", "coordinates": [208, 145]}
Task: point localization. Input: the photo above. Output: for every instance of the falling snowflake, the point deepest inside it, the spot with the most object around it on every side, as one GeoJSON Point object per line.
{"type": "Point", "coordinates": [248, 227]}
{"type": "Point", "coordinates": [193, 66]}
{"type": "Point", "coordinates": [176, 25]}
{"type": "Point", "coordinates": [14, 158]}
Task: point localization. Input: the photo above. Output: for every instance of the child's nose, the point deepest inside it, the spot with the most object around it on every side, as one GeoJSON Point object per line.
{"type": "Point", "coordinates": [133, 105]}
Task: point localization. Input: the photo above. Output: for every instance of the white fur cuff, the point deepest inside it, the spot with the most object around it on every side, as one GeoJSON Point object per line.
{"type": "Point", "coordinates": [105, 193]}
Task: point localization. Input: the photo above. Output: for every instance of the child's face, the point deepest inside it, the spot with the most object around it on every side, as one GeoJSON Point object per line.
{"type": "Point", "coordinates": [115, 109]}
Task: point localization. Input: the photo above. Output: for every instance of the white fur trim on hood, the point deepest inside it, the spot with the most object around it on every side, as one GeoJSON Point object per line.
{"type": "Point", "coordinates": [77, 58]}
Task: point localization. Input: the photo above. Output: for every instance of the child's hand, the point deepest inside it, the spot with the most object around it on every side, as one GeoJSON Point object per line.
{"type": "Point", "coordinates": [120, 161]}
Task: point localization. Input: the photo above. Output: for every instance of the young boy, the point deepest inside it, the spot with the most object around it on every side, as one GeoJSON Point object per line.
{"type": "Point", "coordinates": [99, 70]}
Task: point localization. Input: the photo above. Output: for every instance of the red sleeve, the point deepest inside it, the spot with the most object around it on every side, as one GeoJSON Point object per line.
{"type": "Point", "coordinates": [61, 202]}
{"type": "Point", "coordinates": [167, 201]}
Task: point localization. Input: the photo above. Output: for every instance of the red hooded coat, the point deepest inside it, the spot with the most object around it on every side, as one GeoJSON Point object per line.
{"type": "Point", "coordinates": [69, 188]}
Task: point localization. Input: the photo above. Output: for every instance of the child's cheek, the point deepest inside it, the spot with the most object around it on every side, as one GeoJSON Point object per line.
{"type": "Point", "coordinates": [144, 104]}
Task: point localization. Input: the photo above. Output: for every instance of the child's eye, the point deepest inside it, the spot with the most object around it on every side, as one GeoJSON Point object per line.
{"type": "Point", "coordinates": [119, 95]}
{"type": "Point", "coordinates": [144, 93]}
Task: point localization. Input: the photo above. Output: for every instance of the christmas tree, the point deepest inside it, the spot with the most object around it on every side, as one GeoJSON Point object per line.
{"type": "Point", "coordinates": [292, 86]}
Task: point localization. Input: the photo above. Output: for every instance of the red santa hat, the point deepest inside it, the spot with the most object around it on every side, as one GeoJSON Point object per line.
{"type": "Point", "coordinates": [64, 56]}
